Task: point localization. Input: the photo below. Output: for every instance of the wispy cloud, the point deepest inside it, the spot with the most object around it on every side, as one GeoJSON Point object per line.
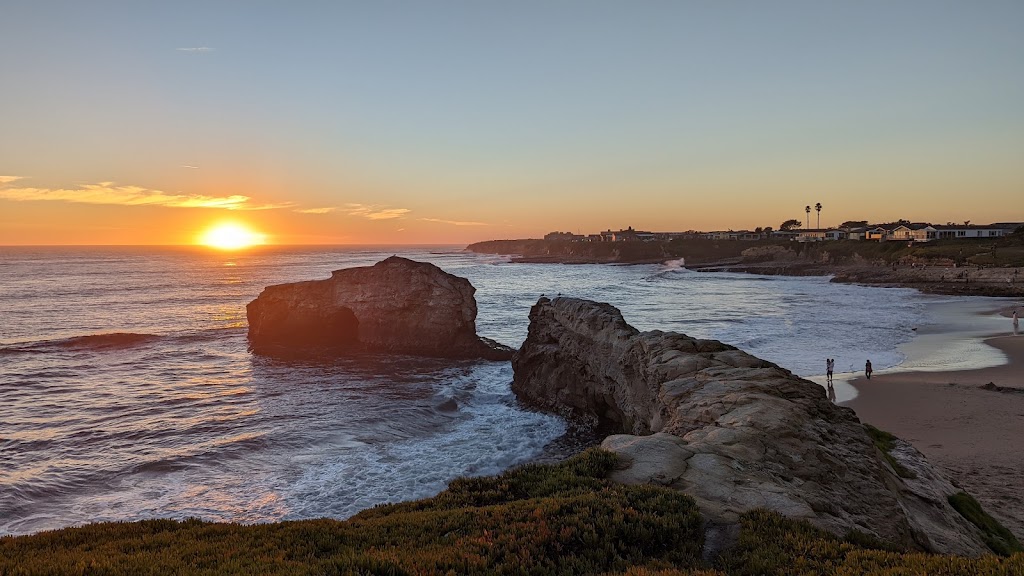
{"type": "Point", "coordinates": [375, 212]}
{"type": "Point", "coordinates": [188, 166]}
{"type": "Point", "coordinates": [326, 210]}
{"type": "Point", "coordinates": [454, 222]}
{"type": "Point", "coordinates": [278, 206]}
{"type": "Point", "coordinates": [109, 193]}
{"type": "Point", "coordinates": [196, 49]}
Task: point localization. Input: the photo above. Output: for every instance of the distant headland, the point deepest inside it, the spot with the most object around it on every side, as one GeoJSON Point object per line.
{"type": "Point", "coordinates": [951, 258]}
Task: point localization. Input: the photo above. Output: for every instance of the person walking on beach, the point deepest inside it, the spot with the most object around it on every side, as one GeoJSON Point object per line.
{"type": "Point", "coordinates": [1016, 322]}
{"type": "Point", "coordinates": [830, 365]}
{"type": "Point", "coordinates": [867, 369]}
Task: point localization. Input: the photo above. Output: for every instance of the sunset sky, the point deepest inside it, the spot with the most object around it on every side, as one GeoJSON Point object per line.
{"type": "Point", "coordinates": [450, 122]}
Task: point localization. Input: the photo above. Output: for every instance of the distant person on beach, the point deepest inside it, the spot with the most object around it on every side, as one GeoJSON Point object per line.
{"type": "Point", "coordinates": [830, 365]}
{"type": "Point", "coordinates": [1016, 322]}
{"type": "Point", "coordinates": [867, 369]}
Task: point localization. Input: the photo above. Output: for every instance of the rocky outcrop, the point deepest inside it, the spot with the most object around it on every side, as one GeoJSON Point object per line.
{"type": "Point", "coordinates": [733, 431]}
{"type": "Point", "coordinates": [395, 306]}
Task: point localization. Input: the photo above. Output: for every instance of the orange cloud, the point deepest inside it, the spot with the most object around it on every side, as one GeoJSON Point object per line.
{"type": "Point", "coordinates": [108, 193]}
{"type": "Point", "coordinates": [326, 210]}
{"type": "Point", "coordinates": [375, 212]}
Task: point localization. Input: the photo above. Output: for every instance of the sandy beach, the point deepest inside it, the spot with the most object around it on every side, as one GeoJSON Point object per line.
{"type": "Point", "coordinates": [970, 423]}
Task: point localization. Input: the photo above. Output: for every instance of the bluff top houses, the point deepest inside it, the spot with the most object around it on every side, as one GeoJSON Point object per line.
{"type": "Point", "coordinates": [919, 232]}
{"type": "Point", "coordinates": [903, 232]}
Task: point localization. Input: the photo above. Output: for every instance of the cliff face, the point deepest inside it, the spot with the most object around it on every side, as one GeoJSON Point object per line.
{"type": "Point", "coordinates": [733, 431]}
{"type": "Point", "coordinates": [395, 306]}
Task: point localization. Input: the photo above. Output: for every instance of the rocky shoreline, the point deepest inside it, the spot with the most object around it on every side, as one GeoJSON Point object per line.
{"type": "Point", "coordinates": [962, 281]}
{"type": "Point", "coordinates": [949, 268]}
{"type": "Point", "coordinates": [730, 430]}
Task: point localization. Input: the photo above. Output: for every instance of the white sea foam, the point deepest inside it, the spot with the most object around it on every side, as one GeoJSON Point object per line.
{"type": "Point", "coordinates": [489, 435]}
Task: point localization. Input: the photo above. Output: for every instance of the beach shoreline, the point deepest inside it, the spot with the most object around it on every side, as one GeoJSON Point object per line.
{"type": "Point", "coordinates": [967, 420]}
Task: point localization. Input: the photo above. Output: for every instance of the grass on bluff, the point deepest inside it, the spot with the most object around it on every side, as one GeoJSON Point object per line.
{"type": "Point", "coordinates": [1007, 251]}
{"type": "Point", "coordinates": [558, 519]}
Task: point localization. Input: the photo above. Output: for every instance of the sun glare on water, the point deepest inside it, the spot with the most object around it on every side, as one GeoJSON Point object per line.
{"type": "Point", "coordinates": [231, 236]}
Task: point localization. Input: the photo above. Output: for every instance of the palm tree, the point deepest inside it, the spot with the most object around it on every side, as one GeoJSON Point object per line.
{"type": "Point", "coordinates": [808, 210]}
{"type": "Point", "coordinates": [818, 208]}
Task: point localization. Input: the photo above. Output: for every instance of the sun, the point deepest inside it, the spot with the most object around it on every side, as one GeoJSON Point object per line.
{"type": "Point", "coordinates": [231, 236]}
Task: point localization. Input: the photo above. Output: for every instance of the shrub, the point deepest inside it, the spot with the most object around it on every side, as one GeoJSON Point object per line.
{"type": "Point", "coordinates": [996, 536]}
{"type": "Point", "coordinates": [772, 544]}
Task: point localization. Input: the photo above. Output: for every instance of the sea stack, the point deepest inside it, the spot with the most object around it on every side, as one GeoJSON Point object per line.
{"type": "Point", "coordinates": [396, 306]}
{"type": "Point", "coordinates": [733, 431]}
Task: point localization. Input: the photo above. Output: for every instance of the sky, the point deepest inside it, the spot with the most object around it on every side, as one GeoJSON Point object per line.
{"type": "Point", "coordinates": [456, 121]}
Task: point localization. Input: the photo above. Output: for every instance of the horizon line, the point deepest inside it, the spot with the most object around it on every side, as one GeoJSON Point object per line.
{"type": "Point", "coordinates": [203, 246]}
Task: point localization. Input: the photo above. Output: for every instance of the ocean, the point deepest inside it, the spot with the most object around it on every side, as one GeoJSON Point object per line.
{"type": "Point", "coordinates": [127, 391]}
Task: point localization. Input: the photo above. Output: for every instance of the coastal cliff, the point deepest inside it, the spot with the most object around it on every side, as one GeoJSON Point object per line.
{"type": "Point", "coordinates": [962, 267]}
{"type": "Point", "coordinates": [395, 306]}
{"type": "Point", "coordinates": [733, 431]}
{"type": "Point", "coordinates": [564, 252]}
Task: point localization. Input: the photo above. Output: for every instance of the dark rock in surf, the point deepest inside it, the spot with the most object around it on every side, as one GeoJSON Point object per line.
{"type": "Point", "coordinates": [733, 431]}
{"type": "Point", "coordinates": [397, 306]}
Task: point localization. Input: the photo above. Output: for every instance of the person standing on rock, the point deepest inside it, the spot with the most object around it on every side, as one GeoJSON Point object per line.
{"type": "Point", "coordinates": [867, 369]}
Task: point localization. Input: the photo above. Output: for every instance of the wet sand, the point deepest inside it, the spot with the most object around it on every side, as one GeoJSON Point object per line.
{"type": "Point", "coordinates": [965, 426]}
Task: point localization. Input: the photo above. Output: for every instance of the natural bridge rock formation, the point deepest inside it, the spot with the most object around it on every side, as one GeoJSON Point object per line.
{"type": "Point", "coordinates": [395, 306]}
{"type": "Point", "coordinates": [733, 431]}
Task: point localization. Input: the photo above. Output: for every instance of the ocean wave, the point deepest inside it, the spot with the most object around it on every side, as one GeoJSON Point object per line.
{"type": "Point", "coordinates": [86, 342]}
{"type": "Point", "coordinates": [109, 340]}
{"type": "Point", "coordinates": [237, 446]}
{"type": "Point", "coordinates": [210, 334]}
{"type": "Point", "coordinates": [675, 264]}
{"type": "Point", "coordinates": [119, 340]}
{"type": "Point", "coordinates": [671, 273]}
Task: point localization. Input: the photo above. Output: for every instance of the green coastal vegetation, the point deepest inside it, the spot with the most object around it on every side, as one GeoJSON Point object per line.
{"type": "Point", "coordinates": [565, 518]}
{"type": "Point", "coordinates": [995, 535]}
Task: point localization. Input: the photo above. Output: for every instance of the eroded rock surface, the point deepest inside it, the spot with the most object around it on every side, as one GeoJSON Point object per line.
{"type": "Point", "coordinates": [395, 306]}
{"type": "Point", "coordinates": [733, 431]}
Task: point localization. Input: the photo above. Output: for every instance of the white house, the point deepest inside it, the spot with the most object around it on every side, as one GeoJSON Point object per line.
{"type": "Point", "coordinates": [900, 232]}
{"type": "Point", "coordinates": [969, 231]}
{"type": "Point", "coordinates": [811, 235]}
{"type": "Point", "coordinates": [923, 233]}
